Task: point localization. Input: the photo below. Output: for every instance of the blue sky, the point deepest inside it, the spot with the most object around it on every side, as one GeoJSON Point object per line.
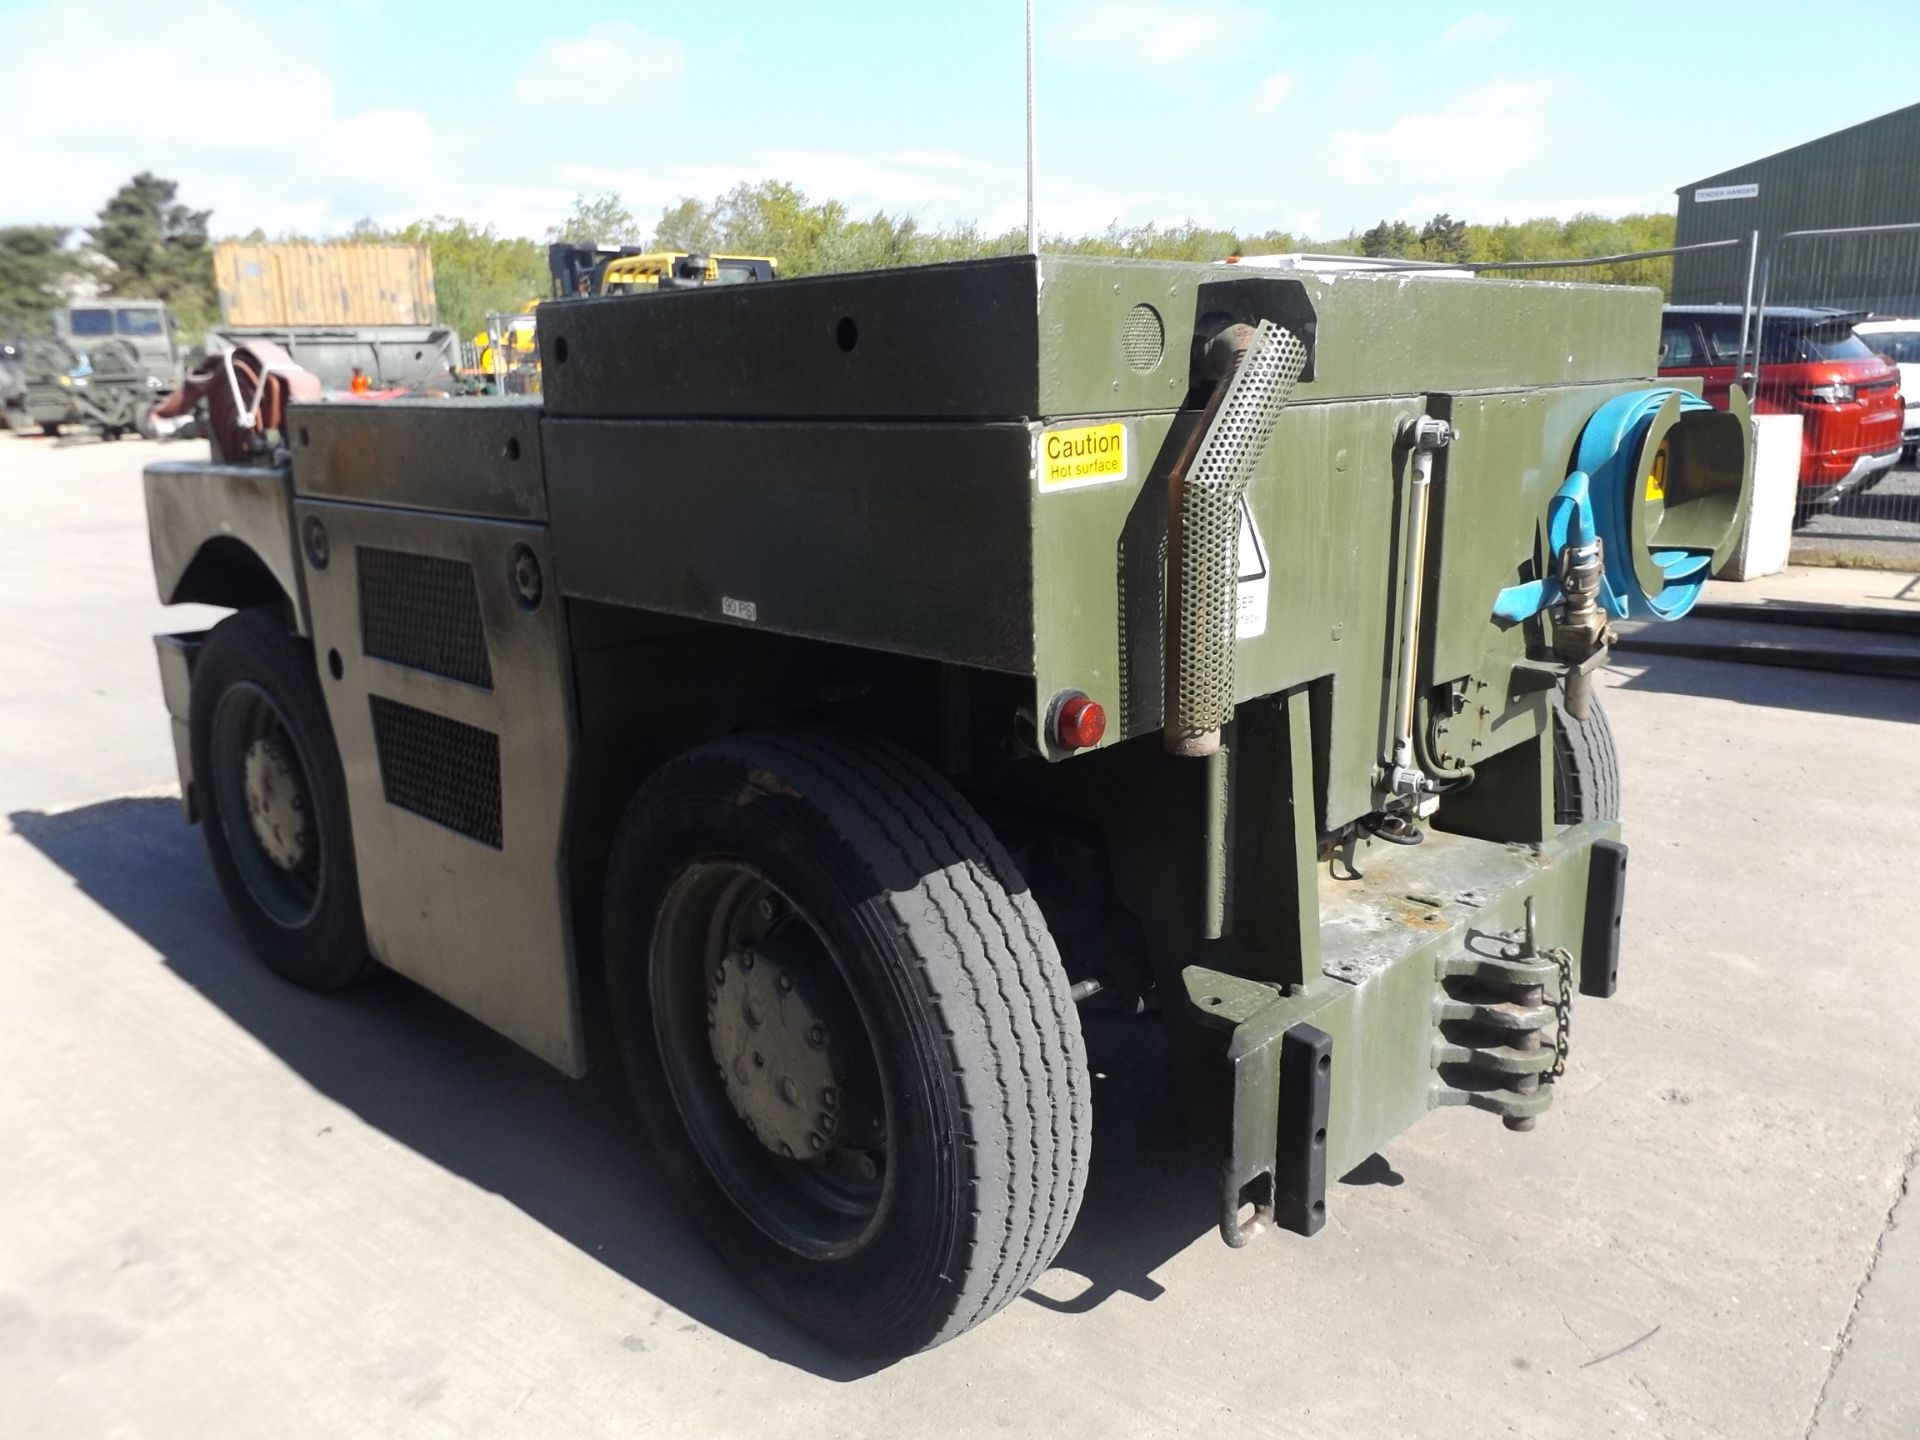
{"type": "Point", "coordinates": [1318, 118]}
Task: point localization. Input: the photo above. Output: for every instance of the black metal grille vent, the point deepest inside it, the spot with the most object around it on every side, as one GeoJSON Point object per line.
{"type": "Point", "coordinates": [445, 770]}
{"type": "Point", "coordinates": [422, 611]}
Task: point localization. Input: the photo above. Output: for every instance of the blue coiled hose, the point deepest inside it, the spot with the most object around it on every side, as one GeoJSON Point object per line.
{"type": "Point", "coordinates": [1597, 499]}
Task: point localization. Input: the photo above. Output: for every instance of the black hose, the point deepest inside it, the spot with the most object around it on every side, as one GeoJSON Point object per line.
{"type": "Point", "coordinates": [1452, 776]}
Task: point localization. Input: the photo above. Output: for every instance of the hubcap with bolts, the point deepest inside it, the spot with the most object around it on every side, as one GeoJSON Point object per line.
{"type": "Point", "coordinates": [773, 1052]}
{"type": "Point", "coordinates": [770, 1059]}
{"type": "Point", "coordinates": [276, 803]}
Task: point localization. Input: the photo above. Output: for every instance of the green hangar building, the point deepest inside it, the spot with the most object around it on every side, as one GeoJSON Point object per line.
{"type": "Point", "coordinates": [1867, 174]}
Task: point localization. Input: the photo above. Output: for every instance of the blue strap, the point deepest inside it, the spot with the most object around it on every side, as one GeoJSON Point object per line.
{"type": "Point", "coordinates": [1569, 522]}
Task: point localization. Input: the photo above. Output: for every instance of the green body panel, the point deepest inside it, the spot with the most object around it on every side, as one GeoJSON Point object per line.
{"type": "Point", "coordinates": [1374, 333]}
{"type": "Point", "coordinates": [480, 457]}
{"type": "Point", "coordinates": [1024, 339]}
{"type": "Point", "coordinates": [909, 538]}
{"type": "Point", "coordinates": [1326, 502]}
{"type": "Point", "coordinates": [1329, 498]}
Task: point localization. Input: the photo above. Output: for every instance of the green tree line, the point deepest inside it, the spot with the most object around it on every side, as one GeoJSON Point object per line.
{"type": "Point", "coordinates": [1447, 240]}
{"type": "Point", "coordinates": [144, 244]}
{"type": "Point", "coordinates": [147, 243]}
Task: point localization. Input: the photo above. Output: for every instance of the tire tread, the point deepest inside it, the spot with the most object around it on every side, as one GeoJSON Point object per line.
{"type": "Point", "coordinates": [1586, 766]}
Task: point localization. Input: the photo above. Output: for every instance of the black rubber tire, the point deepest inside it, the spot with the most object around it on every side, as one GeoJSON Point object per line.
{"type": "Point", "coordinates": [328, 948]}
{"type": "Point", "coordinates": [963, 996]}
{"type": "Point", "coordinates": [50, 428]}
{"type": "Point", "coordinates": [1586, 766]}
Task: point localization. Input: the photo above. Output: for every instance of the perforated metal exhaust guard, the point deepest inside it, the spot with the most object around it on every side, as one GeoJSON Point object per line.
{"type": "Point", "coordinates": [1206, 550]}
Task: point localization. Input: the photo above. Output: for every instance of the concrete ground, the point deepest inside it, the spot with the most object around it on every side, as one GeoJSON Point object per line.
{"type": "Point", "coordinates": [229, 1208]}
{"type": "Point", "coordinates": [1896, 590]}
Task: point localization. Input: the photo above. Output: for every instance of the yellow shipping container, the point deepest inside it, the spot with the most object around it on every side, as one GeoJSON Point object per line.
{"type": "Point", "coordinates": [323, 284]}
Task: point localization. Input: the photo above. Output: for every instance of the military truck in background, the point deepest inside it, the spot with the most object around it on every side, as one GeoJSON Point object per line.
{"type": "Point", "coordinates": [106, 365]}
{"type": "Point", "coordinates": [835, 686]}
{"type": "Point", "coordinates": [146, 327]}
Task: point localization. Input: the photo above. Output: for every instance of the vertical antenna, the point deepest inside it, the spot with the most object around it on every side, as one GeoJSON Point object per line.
{"type": "Point", "coordinates": [1033, 231]}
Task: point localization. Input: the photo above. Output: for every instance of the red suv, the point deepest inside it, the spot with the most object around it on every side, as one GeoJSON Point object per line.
{"type": "Point", "coordinates": [1813, 366]}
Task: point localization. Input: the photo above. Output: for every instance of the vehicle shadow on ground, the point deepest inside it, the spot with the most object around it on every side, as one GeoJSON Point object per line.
{"type": "Point", "coordinates": [1152, 1187]}
{"type": "Point", "coordinates": [1866, 697]}
{"type": "Point", "coordinates": [570, 1154]}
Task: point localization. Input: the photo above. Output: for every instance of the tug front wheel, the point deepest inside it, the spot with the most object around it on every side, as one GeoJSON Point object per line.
{"type": "Point", "coordinates": [273, 801]}
{"type": "Point", "coordinates": [849, 1033]}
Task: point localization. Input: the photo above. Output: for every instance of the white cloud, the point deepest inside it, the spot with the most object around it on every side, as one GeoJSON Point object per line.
{"type": "Point", "coordinates": [1160, 32]}
{"type": "Point", "coordinates": [1478, 135]}
{"type": "Point", "coordinates": [1271, 93]}
{"type": "Point", "coordinates": [281, 152]}
{"type": "Point", "coordinates": [611, 67]}
{"type": "Point", "coordinates": [277, 152]}
{"type": "Point", "coordinates": [1477, 28]}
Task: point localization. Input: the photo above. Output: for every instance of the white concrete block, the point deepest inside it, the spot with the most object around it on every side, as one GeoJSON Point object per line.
{"type": "Point", "coordinates": [1768, 536]}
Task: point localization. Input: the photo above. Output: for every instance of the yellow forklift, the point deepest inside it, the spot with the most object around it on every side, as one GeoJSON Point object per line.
{"type": "Point", "coordinates": [508, 348]}
{"type": "Point", "coordinates": [631, 269]}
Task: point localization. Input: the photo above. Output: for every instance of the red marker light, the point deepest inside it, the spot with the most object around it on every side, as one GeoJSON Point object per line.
{"type": "Point", "coordinates": [1078, 723]}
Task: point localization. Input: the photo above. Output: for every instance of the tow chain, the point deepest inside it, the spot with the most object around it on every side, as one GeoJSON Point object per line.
{"type": "Point", "coordinates": [1562, 1012]}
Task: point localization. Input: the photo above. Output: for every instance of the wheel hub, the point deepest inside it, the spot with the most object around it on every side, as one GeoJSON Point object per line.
{"type": "Point", "coordinates": [276, 803]}
{"type": "Point", "coordinates": [775, 1053]}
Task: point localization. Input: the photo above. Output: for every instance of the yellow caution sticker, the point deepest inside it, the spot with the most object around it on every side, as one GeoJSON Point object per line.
{"type": "Point", "coordinates": [1086, 455]}
{"type": "Point", "coordinates": [1657, 476]}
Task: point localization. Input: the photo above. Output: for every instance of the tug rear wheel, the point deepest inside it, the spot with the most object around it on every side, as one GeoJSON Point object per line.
{"type": "Point", "coordinates": [1586, 766]}
{"type": "Point", "coordinates": [849, 1033]}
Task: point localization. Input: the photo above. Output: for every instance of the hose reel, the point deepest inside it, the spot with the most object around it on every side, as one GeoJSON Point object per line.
{"type": "Point", "coordinates": [1660, 480]}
